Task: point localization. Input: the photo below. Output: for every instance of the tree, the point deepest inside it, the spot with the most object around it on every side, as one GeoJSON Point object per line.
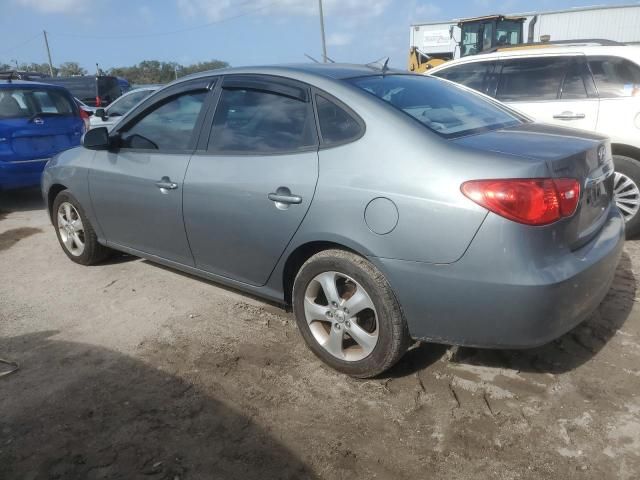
{"type": "Point", "coordinates": [70, 69]}
{"type": "Point", "coordinates": [154, 71]}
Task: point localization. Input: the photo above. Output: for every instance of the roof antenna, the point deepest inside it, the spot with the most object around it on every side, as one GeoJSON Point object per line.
{"type": "Point", "coordinates": [381, 64]}
{"type": "Point", "coordinates": [311, 58]}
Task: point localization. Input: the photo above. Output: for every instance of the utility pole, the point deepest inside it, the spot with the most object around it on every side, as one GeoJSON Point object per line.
{"type": "Point", "coordinates": [46, 44]}
{"type": "Point", "coordinates": [324, 43]}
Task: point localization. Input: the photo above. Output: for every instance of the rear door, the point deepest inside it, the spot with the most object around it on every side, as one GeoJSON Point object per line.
{"type": "Point", "coordinates": [37, 123]}
{"type": "Point", "coordinates": [248, 189]}
{"type": "Point", "coordinates": [137, 189]}
{"type": "Point", "coordinates": [551, 89]}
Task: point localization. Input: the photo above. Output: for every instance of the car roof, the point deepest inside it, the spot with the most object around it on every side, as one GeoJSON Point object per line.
{"type": "Point", "coordinates": [627, 51]}
{"type": "Point", "coordinates": [336, 71]}
{"type": "Point", "coordinates": [27, 84]}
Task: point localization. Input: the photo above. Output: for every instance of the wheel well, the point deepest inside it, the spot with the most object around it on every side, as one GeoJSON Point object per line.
{"type": "Point", "coordinates": [51, 196]}
{"type": "Point", "coordinates": [626, 150]}
{"type": "Point", "coordinates": [296, 260]}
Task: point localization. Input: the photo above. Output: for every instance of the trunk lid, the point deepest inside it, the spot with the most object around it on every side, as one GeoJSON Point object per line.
{"type": "Point", "coordinates": [567, 153]}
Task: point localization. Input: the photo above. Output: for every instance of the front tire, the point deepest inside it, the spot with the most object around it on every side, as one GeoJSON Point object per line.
{"type": "Point", "coordinates": [348, 315]}
{"type": "Point", "coordinates": [626, 191]}
{"type": "Point", "coordinates": [75, 233]}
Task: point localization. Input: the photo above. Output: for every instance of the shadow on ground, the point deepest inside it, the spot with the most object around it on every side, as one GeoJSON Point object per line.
{"type": "Point", "coordinates": [23, 200]}
{"type": "Point", "coordinates": [78, 411]}
{"type": "Point", "coordinates": [564, 354]}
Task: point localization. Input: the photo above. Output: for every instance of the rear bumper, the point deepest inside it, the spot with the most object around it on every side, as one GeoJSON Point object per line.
{"type": "Point", "coordinates": [511, 298]}
{"type": "Point", "coordinates": [21, 174]}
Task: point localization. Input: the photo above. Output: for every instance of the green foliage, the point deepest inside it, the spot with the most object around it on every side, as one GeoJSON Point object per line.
{"type": "Point", "coordinates": [69, 69]}
{"type": "Point", "coordinates": [154, 71]}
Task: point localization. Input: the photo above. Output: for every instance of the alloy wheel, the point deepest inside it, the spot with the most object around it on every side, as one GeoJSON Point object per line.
{"type": "Point", "coordinates": [341, 316]}
{"type": "Point", "coordinates": [627, 195]}
{"type": "Point", "coordinates": [71, 229]}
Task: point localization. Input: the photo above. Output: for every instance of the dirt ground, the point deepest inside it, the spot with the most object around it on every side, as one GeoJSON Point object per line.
{"type": "Point", "coordinates": [129, 370]}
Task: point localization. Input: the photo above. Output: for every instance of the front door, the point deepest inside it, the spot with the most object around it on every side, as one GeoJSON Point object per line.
{"type": "Point", "coordinates": [137, 189]}
{"type": "Point", "coordinates": [246, 195]}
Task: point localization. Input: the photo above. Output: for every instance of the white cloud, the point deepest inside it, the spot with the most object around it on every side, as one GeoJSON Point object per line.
{"type": "Point", "coordinates": [215, 10]}
{"type": "Point", "coordinates": [339, 39]}
{"type": "Point", "coordinates": [426, 11]}
{"type": "Point", "coordinates": [55, 6]}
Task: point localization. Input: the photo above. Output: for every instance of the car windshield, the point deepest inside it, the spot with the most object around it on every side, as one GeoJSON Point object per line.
{"type": "Point", "coordinates": [27, 102]}
{"type": "Point", "coordinates": [444, 108]}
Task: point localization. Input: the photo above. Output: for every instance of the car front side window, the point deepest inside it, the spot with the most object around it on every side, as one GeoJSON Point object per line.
{"type": "Point", "coordinates": [168, 126]}
{"type": "Point", "coordinates": [126, 103]}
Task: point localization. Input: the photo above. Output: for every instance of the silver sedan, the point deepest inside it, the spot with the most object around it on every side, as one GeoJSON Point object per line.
{"type": "Point", "coordinates": [381, 206]}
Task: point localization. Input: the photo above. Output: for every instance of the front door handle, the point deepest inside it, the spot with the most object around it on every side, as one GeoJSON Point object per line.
{"type": "Point", "coordinates": [165, 183]}
{"type": "Point", "coordinates": [569, 116]}
{"type": "Point", "coordinates": [283, 198]}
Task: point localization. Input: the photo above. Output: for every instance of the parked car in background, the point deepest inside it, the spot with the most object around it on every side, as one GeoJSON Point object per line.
{"type": "Point", "coordinates": [591, 87]}
{"type": "Point", "coordinates": [37, 121]}
{"type": "Point", "coordinates": [382, 206]}
{"type": "Point", "coordinates": [107, 117]}
{"type": "Point", "coordinates": [94, 91]}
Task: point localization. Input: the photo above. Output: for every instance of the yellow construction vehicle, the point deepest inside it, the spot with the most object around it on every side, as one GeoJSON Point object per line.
{"type": "Point", "coordinates": [477, 35]}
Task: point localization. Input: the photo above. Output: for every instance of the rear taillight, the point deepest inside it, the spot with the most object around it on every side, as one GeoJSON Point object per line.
{"type": "Point", "coordinates": [532, 201]}
{"type": "Point", "coordinates": [85, 118]}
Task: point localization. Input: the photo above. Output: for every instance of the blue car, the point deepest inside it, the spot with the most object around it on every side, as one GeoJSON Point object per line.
{"type": "Point", "coordinates": [37, 121]}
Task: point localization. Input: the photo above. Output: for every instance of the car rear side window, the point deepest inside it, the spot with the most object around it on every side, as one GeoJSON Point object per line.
{"type": "Point", "coordinates": [337, 126]}
{"type": "Point", "coordinates": [16, 102]}
{"type": "Point", "coordinates": [258, 121]}
{"type": "Point", "coordinates": [169, 126]}
{"type": "Point", "coordinates": [449, 110]}
{"type": "Point", "coordinates": [615, 77]}
{"type": "Point", "coordinates": [531, 79]}
{"type": "Point", "coordinates": [480, 76]}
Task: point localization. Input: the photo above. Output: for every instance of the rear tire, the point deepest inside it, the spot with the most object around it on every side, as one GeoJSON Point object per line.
{"type": "Point", "coordinates": [74, 231]}
{"type": "Point", "coordinates": [628, 197]}
{"type": "Point", "coordinates": [372, 336]}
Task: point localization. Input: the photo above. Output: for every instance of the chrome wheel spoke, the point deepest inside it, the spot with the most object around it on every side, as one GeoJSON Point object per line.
{"type": "Point", "coordinates": [334, 342]}
{"type": "Point", "coordinates": [327, 281]}
{"type": "Point", "coordinates": [363, 338]}
{"type": "Point", "coordinates": [68, 241]}
{"type": "Point", "coordinates": [313, 311]}
{"type": "Point", "coordinates": [77, 241]}
{"type": "Point", "coordinates": [71, 229]}
{"type": "Point", "coordinates": [62, 222]}
{"type": "Point", "coordinates": [67, 212]}
{"type": "Point", "coordinates": [358, 302]}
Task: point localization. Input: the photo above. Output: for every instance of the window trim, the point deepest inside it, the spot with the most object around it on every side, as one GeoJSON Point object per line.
{"type": "Point", "coordinates": [159, 98]}
{"type": "Point", "coordinates": [324, 145]}
{"type": "Point", "coordinates": [272, 84]}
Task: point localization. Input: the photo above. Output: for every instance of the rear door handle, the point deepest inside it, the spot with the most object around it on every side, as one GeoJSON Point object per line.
{"type": "Point", "coordinates": [569, 116]}
{"type": "Point", "coordinates": [288, 199]}
{"type": "Point", "coordinates": [165, 183]}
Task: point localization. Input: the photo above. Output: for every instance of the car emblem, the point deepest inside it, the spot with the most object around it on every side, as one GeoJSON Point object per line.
{"type": "Point", "coordinates": [602, 152]}
{"type": "Point", "coordinates": [38, 121]}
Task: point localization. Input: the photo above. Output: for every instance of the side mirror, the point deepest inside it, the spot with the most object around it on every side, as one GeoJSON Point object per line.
{"type": "Point", "coordinates": [101, 113]}
{"type": "Point", "coordinates": [97, 139]}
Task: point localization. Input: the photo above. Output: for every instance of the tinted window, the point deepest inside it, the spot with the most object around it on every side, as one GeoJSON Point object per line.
{"type": "Point", "coordinates": [16, 102]}
{"type": "Point", "coordinates": [336, 125]}
{"type": "Point", "coordinates": [126, 103]}
{"type": "Point", "coordinates": [168, 126]}
{"type": "Point", "coordinates": [573, 86]}
{"type": "Point", "coordinates": [478, 75]}
{"type": "Point", "coordinates": [444, 108]}
{"type": "Point", "coordinates": [261, 122]}
{"type": "Point", "coordinates": [531, 79]}
{"type": "Point", "coordinates": [615, 77]}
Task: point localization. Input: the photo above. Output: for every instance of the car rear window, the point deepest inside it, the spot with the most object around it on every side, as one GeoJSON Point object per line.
{"type": "Point", "coordinates": [447, 109]}
{"type": "Point", "coordinates": [17, 102]}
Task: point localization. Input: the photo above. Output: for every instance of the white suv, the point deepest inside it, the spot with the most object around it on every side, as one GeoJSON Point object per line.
{"type": "Point", "coordinates": [584, 86]}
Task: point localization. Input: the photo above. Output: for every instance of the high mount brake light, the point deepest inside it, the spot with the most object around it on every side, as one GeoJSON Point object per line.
{"type": "Point", "coordinates": [532, 201]}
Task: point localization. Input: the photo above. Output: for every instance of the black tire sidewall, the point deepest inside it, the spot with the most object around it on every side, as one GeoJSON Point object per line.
{"type": "Point", "coordinates": [631, 168]}
{"type": "Point", "coordinates": [92, 249]}
{"type": "Point", "coordinates": [388, 312]}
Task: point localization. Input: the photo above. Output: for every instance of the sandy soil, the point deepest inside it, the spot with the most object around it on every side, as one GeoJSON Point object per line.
{"type": "Point", "coordinates": [130, 370]}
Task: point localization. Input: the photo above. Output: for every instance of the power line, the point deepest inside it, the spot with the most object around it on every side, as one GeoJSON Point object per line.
{"type": "Point", "coordinates": [169, 32]}
{"type": "Point", "coordinates": [15, 47]}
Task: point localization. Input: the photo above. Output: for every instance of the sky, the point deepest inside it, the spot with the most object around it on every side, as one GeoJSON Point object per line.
{"type": "Point", "coordinates": [241, 32]}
